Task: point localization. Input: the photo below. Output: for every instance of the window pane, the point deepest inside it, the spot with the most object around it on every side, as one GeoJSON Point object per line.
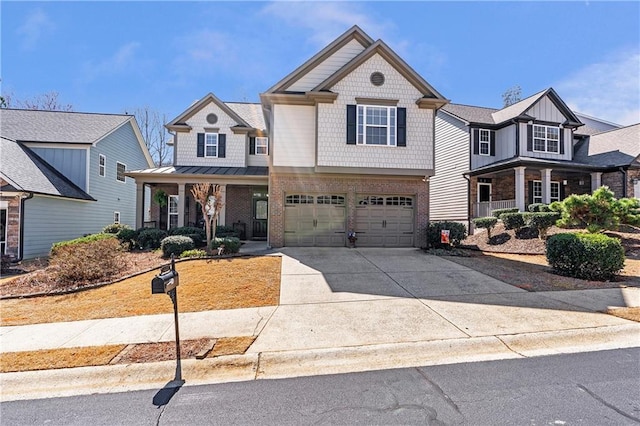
{"type": "Point", "coordinates": [555, 191]}
{"type": "Point", "coordinates": [376, 135]}
{"type": "Point", "coordinates": [539, 145]}
{"type": "Point", "coordinates": [552, 146]}
{"type": "Point", "coordinates": [539, 132]}
{"type": "Point", "coordinates": [553, 133]}
{"type": "Point", "coordinates": [120, 169]}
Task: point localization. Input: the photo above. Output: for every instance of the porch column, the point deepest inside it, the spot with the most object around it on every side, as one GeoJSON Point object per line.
{"type": "Point", "coordinates": [181, 203]}
{"type": "Point", "coordinates": [520, 190]}
{"type": "Point", "coordinates": [223, 210]}
{"type": "Point", "coordinates": [139, 205]}
{"type": "Point", "coordinates": [596, 180]}
{"type": "Point", "coordinates": [546, 185]}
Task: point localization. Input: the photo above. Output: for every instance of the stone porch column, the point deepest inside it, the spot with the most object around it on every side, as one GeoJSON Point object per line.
{"type": "Point", "coordinates": [181, 203]}
{"type": "Point", "coordinates": [596, 180]}
{"type": "Point", "coordinates": [546, 185]}
{"type": "Point", "coordinates": [520, 190]}
{"type": "Point", "coordinates": [222, 220]}
{"type": "Point", "coordinates": [139, 205]}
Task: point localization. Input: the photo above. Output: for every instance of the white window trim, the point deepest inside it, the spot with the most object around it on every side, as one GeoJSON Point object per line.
{"type": "Point", "coordinates": [102, 165]}
{"type": "Point", "coordinates": [487, 143]}
{"type": "Point", "coordinates": [262, 142]}
{"type": "Point", "coordinates": [389, 125]}
{"type": "Point", "coordinates": [125, 170]}
{"type": "Point", "coordinates": [169, 212]}
{"type": "Point", "coordinates": [546, 139]}
{"type": "Point", "coordinates": [478, 192]}
{"type": "Point", "coordinates": [551, 199]}
{"type": "Point", "coordinates": [206, 144]}
{"type": "Point", "coordinates": [116, 217]}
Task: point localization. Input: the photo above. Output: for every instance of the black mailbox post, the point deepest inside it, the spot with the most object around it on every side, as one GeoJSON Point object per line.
{"type": "Point", "coordinates": [167, 282]}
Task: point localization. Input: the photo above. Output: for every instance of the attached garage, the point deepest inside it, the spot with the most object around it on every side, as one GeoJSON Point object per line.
{"type": "Point", "coordinates": [385, 220]}
{"type": "Point", "coordinates": [315, 220]}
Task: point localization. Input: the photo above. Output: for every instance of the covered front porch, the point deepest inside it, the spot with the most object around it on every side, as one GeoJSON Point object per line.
{"type": "Point", "coordinates": [520, 186]}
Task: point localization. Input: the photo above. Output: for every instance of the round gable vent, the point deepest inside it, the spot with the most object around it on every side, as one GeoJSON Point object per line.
{"type": "Point", "coordinates": [377, 78]}
{"type": "Point", "coordinates": [212, 118]}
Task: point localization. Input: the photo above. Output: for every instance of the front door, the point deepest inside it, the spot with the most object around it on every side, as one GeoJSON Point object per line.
{"type": "Point", "coordinates": [260, 214]}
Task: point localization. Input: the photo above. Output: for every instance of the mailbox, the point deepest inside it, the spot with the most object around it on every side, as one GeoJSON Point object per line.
{"type": "Point", "coordinates": [166, 281]}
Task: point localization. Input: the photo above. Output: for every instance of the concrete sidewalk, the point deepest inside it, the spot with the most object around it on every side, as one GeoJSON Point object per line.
{"type": "Point", "coordinates": [342, 310]}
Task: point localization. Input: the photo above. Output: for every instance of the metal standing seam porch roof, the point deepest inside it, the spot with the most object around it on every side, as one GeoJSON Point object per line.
{"type": "Point", "coordinates": [253, 171]}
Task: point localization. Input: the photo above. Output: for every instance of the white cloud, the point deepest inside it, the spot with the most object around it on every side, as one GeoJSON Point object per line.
{"type": "Point", "coordinates": [36, 25]}
{"type": "Point", "coordinates": [607, 89]}
{"type": "Point", "coordinates": [204, 51]}
{"type": "Point", "coordinates": [122, 60]}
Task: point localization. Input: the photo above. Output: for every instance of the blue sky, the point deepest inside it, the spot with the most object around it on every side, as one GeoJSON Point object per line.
{"type": "Point", "coordinates": [118, 56]}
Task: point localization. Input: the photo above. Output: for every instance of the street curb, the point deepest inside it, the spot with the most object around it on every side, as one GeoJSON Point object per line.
{"type": "Point", "coordinates": [273, 365]}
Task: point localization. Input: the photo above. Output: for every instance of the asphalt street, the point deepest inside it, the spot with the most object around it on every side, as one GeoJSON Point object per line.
{"type": "Point", "coordinates": [590, 388]}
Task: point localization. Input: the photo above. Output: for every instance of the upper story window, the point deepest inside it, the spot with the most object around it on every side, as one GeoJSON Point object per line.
{"type": "Point", "coordinates": [262, 146]}
{"type": "Point", "coordinates": [210, 144]}
{"type": "Point", "coordinates": [102, 165]}
{"type": "Point", "coordinates": [485, 141]}
{"type": "Point", "coordinates": [376, 125]}
{"type": "Point", "coordinates": [120, 170]}
{"type": "Point", "coordinates": [546, 138]}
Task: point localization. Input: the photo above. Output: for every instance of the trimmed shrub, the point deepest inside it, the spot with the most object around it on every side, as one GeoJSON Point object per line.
{"type": "Point", "coordinates": [86, 239]}
{"type": "Point", "coordinates": [114, 228]}
{"type": "Point", "coordinates": [92, 260]}
{"type": "Point", "coordinates": [231, 244]}
{"type": "Point", "coordinates": [151, 238]}
{"type": "Point", "coordinates": [498, 212]}
{"type": "Point", "coordinates": [541, 221]}
{"type": "Point", "coordinates": [585, 256]}
{"type": "Point", "coordinates": [512, 220]}
{"type": "Point", "coordinates": [485, 222]}
{"type": "Point", "coordinates": [223, 231]}
{"type": "Point", "coordinates": [193, 253]}
{"type": "Point", "coordinates": [176, 245]}
{"type": "Point", "coordinates": [128, 237]}
{"type": "Point", "coordinates": [457, 233]}
{"type": "Point", "coordinates": [538, 207]}
{"type": "Point", "coordinates": [198, 235]}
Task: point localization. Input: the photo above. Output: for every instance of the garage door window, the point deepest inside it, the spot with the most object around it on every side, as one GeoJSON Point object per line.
{"type": "Point", "coordinates": [399, 201]}
{"type": "Point", "coordinates": [298, 199]}
{"type": "Point", "coordinates": [336, 200]}
{"type": "Point", "coordinates": [371, 200]}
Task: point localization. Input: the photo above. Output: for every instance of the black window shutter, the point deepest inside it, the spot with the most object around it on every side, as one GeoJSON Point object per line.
{"type": "Point", "coordinates": [530, 192]}
{"type": "Point", "coordinates": [492, 143]}
{"type": "Point", "coordinates": [562, 141]}
{"type": "Point", "coordinates": [222, 145]}
{"type": "Point", "coordinates": [476, 141]}
{"type": "Point", "coordinates": [529, 137]}
{"type": "Point", "coordinates": [200, 150]}
{"type": "Point", "coordinates": [252, 146]}
{"type": "Point", "coordinates": [401, 120]}
{"type": "Point", "coordinates": [351, 125]}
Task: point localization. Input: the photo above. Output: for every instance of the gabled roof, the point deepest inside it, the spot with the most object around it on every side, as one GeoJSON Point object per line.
{"type": "Point", "coordinates": [470, 114]}
{"type": "Point", "coordinates": [250, 112]}
{"type": "Point", "coordinates": [25, 171]}
{"type": "Point", "coordinates": [381, 48]}
{"type": "Point", "coordinates": [353, 33]}
{"type": "Point", "coordinates": [613, 148]}
{"type": "Point", "coordinates": [180, 121]}
{"type": "Point", "coordinates": [58, 126]}
{"type": "Point", "coordinates": [520, 108]}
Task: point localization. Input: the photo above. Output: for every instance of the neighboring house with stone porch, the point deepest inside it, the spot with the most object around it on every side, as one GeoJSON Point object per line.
{"type": "Point", "coordinates": [352, 135]}
{"type": "Point", "coordinates": [529, 152]}
{"type": "Point", "coordinates": [223, 143]}
{"type": "Point", "coordinates": [63, 176]}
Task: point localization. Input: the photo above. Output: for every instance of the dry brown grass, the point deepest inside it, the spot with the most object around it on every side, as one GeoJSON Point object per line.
{"type": "Point", "coordinates": [210, 284]}
{"type": "Point", "coordinates": [630, 313]}
{"type": "Point", "coordinates": [58, 358]}
{"type": "Point", "coordinates": [103, 355]}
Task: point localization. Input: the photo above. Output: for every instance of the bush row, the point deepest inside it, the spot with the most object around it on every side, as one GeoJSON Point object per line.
{"type": "Point", "coordinates": [585, 256]}
{"type": "Point", "coordinates": [539, 220]}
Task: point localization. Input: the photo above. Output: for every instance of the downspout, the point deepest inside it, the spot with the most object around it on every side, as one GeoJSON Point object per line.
{"type": "Point", "coordinates": [21, 238]}
{"type": "Point", "coordinates": [624, 181]}
{"type": "Point", "coordinates": [466, 176]}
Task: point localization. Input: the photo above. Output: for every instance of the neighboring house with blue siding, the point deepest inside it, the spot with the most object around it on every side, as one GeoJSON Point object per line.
{"type": "Point", "coordinates": [63, 176]}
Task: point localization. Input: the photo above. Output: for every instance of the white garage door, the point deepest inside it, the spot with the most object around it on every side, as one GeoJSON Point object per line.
{"type": "Point", "coordinates": [314, 220]}
{"type": "Point", "coordinates": [384, 221]}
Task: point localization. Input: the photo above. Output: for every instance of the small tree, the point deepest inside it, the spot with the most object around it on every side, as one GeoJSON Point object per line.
{"type": "Point", "coordinates": [210, 199]}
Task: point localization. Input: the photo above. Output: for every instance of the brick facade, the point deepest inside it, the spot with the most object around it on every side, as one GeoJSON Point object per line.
{"type": "Point", "coordinates": [282, 184]}
{"type": "Point", "coordinates": [12, 243]}
{"type": "Point", "coordinates": [240, 207]}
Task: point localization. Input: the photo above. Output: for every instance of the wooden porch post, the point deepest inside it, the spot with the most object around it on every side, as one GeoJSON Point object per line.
{"type": "Point", "coordinates": [520, 189]}
{"type": "Point", "coordinates": [181, 203]}
{"type": "Point", "coordinates": [139, 205]}
{"type": "Point", "coordinates": [546, 185]}
{"type": "Point", "coordinates": [596, 180]}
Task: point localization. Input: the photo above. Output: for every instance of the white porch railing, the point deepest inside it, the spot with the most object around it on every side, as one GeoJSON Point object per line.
{"type": "Point", "coordinates": [486, 208]}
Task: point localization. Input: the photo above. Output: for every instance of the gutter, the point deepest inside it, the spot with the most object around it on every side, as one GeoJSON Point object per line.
{"type": "Point", "coordinates": [21, 239]}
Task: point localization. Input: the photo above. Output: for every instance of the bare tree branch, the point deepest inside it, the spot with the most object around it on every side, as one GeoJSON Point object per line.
{"type": "Point", "coordinates": [44, 102]}
{"type": "Point", "coordinates": [210, 199]}
{"type": "Point", "coordinates": [155, 135]}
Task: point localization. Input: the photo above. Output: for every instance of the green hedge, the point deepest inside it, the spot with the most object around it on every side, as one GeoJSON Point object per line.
{"type": "Point", "coordinates": [538, 207]}
{"type": "Point", "coordinates": [128, 237]}
{"type": "Point", "coordinates": [82, 240]}
{"type": "Point", "coordinates": [114, 228]}
{"type": "Point", "coordinates": [586, 256]}
{"type": "Point", "coordinates": [176, 245]}
{"type": "Point", "coordinates": [223, 231]}
{"type": "Point", "coordinates": [485, 222]}
{"type": "Point", "coordinates": [198, 235]}
{"type": "Point", "coordinates": [541, 221]}
{"type": "Point", "coordinates": [151, 238]}
{"type": "Point", "coordinates": [231, 244]}
{"type": "Point", "coordinates": [512, 220]}
{"type": "Point", "coordinates": [193, 253]}
{"type": "Point", "coordinates": [457, 233]}
{"type": "Point", "coordinates": [498, 212]}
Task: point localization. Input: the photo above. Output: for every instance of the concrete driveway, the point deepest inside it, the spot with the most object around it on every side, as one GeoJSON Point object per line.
{"type": "Point", "coordinates": [339, 297]}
